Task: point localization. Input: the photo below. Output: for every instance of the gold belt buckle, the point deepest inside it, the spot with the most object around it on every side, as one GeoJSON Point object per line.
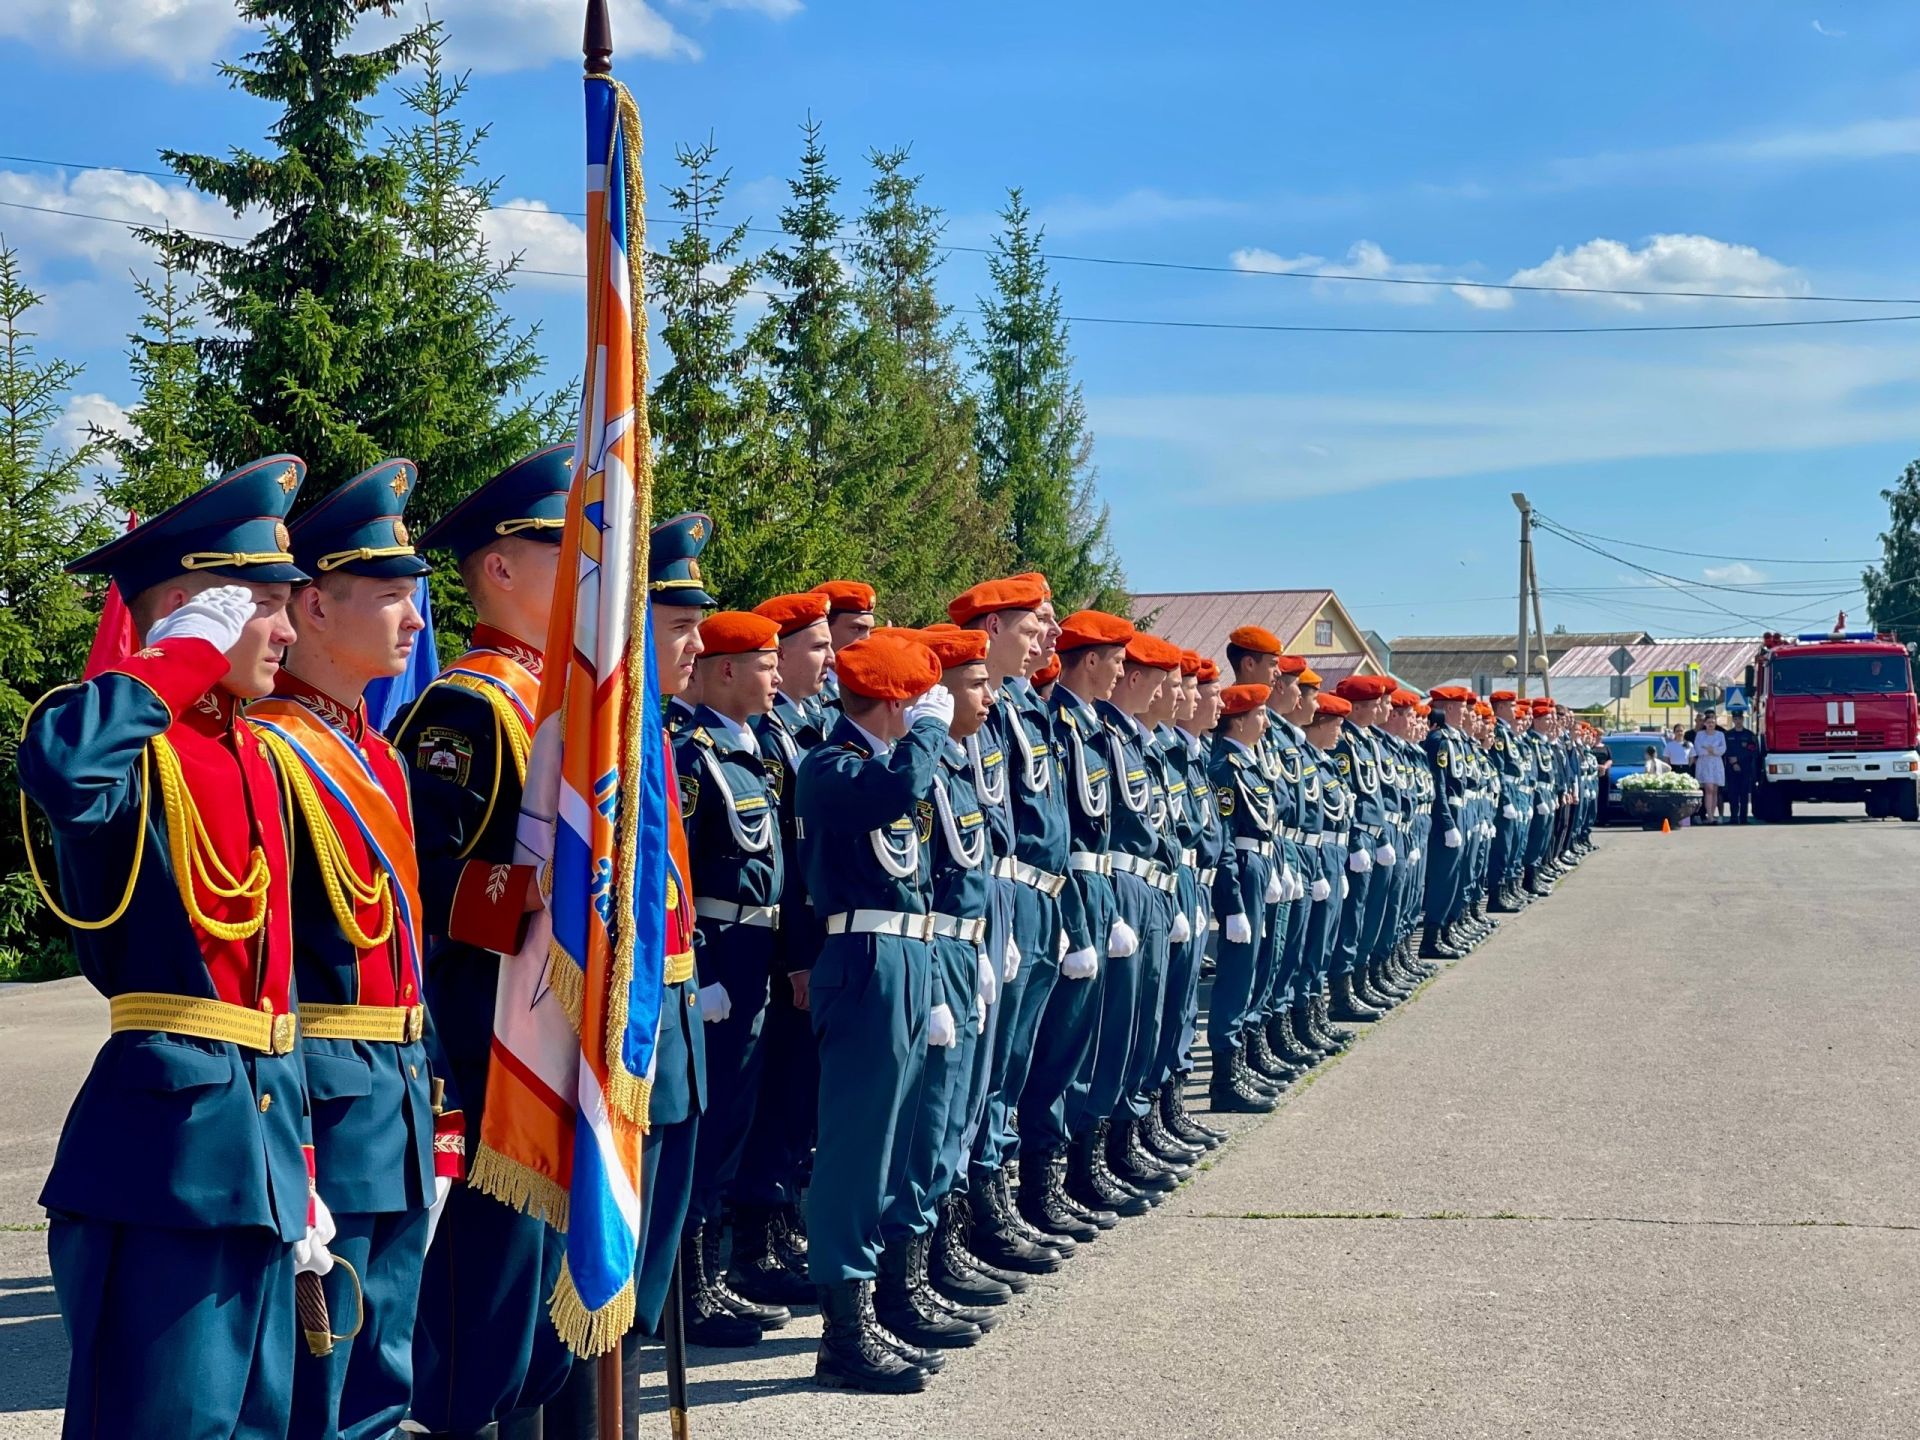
{"type": "Point", "coordinates": [416, 1023]}
{"type": "Point", "coordinates": [285, 1029]}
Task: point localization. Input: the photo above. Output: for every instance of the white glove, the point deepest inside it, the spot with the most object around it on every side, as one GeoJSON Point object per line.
{"type": "Point", "coordinates": [1413, 856]}
{"type": "Point", "coordinates": [1080, 965]}
{"type": "Point", "coordinates": [1181, 930]}
{"type": "Point", "coordinates": [937, 702]}
{"type": "Point", "coordinates": [1276, 892]}
{"type": "Point", "coordinates": [1345, 888]}
{"type": "Point", "coordinates": [1511, 812]}
{"type": "Point", "coordinates": [1452, 838]}
{"type": "Point", "coordinates": [1121, 941]}
{"type": "Point", "coordinates": [1384, 856]}
{"type": "Point", "coordinates": [1200, 922]}
{"type": "Point", "coordinates": [1239, 930]}
{"type": "Point", "coordinates": [1011, 963]}
{"type": "Point", "coordinates": [1297, 882]}
{"type": "Point", "coordinates": [941, 1031]}
{"type": "Point", "coordinates": [311, 1256]}
{"type": "Point", "coordinates": [1322, 888]}
{"type": "Point", "coordinates": [216, 616]}
{"type": "Point", "coordinates": [1063, 946]}
{"type": "Point", "coordinates": [1359, 862]}
{"type": "Point", "coordinates": [989, 980]}
{"type": "Point", "coordinates": [979, 1016]}
{"type": "Point", "coordinates": [442, 1187]}
{"type": "Point", "coordinates": [715, 1003]}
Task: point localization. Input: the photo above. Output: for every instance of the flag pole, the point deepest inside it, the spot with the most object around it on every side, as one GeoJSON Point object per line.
{"type": "Point", "coordinates": [597, 45]}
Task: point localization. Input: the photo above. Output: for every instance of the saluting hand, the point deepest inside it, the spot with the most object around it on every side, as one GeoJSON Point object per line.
{"type": "Point", "coordinates": [217, 616]}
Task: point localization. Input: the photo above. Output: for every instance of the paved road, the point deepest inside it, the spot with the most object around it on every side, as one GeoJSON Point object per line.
{"type": "Point", "coordinates": [1641, 1166]}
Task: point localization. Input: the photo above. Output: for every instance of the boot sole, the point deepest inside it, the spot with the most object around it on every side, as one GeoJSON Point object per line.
{"type": "Point", "coordinates": [910, 1381]}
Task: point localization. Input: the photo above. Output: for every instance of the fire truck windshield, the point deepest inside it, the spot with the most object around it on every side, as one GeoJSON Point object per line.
{"type": "Point", "coordinates": [1840, 675]}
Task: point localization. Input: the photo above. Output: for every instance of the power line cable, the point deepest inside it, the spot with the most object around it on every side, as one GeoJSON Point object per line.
{"type": "Point", "coordinates": [1699, 554]}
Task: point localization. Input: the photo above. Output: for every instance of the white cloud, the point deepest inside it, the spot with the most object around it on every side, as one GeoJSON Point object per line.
{"type": "Point", "coordinates": [1664, 263]}
{"type": "Point", "coordinates": [544, 239]}
{"type": "Point", "coordinates": [503, 35]}
{"type": "Point", "coordinates": [1698, 398]}
{"type": "Point", "coordinates": [83, 415]}
{"type": "Point", "coordinates": [180, 37]}
{"type": "Point", "coordinates": [69, 215]}
{"type": "Point", "coordinates": [1366, 258]}
{"type": "Point", "coordinates": [1739, 572]}
{"type": "Point", "coordinates": [1855, 141]}
{"type": "Point", "coordinates": [1820, 29]}
{"type": "Point", "coordinates": [772, 9]}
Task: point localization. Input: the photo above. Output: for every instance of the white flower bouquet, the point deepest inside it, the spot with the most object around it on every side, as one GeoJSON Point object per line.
{"type": "Point", "coordinates": [1672, 782]}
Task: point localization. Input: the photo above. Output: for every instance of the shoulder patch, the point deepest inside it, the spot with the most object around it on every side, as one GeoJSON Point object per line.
{"type": "Point", "coordinates": [446, 754]}
{"type": "Point", "coordinates": [689, 794]}
{"type": "Point", "coordinates": [1344, 761]}
{"type": "Point", "coordinates": [1224, 794]}
{"type": "Point", "coordinates": [923, 820]}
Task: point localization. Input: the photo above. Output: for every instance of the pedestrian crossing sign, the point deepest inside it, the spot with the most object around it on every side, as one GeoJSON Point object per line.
{"type": "Point", "coordinates": [1735, 698]}
{"type": "Point", "coordinates": [1667, 688]}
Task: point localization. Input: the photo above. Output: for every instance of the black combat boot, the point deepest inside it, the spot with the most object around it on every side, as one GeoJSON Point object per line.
{"type": "Point", "coordinates": [767, 1317]}
{"type": "Point", "coordinates": [1288, 1046]}
{"type": "Point", "coordinates": [852, 1356]}
{"type": "Point", "coordinates": [927, 1360]}
{"type": "Point", "coordinates": [1130, 1161]}
{"type": "Point", "coordinates": [928, 1297]}
{"type": "Point", "coordinates": [710, 1321]}
{"type": "Point", "coordinates": [1306, 1029]}
{"type": "Point", "coordinates": [1087, 1186]}
{"type": "Point", "coordinates": [1161, 1142]}
{"type": "Point", "coordinates": [1230, 1093]}
{"type": "Point", "coordinates": [1061, 1245]}
{"type": "Point", "coordinates": [996, 1238]}
{"type": "Point", "coordinates": [1434, 944]}
{"type": "Point", "coordinates": [1109, 1183]}
{"type": "Point", "coordinates": [757, 1271]}
{"type": "Point", "coordinates": [954, 1272]}
{"type": "Point", "coordinates": [1334, 1035]}
{"type": "Point", "coordinates": [1261, 1059]}
{"type": "Point", "coordinates": [1347, 1006]}
{"type": "Point", "coordinates": [962, 1213]}
{"type": "Point", "coordinates": [904, 1311]}
{"type": "Point", "coordinates": [1043, 1196]}
{"type": "Point", "coordinates": [1175, 1116]}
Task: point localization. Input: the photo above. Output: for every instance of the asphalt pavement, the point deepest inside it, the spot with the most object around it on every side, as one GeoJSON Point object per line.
{"type": "Point", "coordinates": [1641, 1166]}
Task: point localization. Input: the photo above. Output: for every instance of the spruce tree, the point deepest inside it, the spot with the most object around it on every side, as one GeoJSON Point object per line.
{"type": "Point", "coordinates": [46, 615]}
{"type": "Point", "coordinates": [1893, 586]}
{"type": "Point", "coordinates": [1036, 453]}
{"type": "Point", "coordinates": [309, 356]}
{"type": "Point", "coordinates": [161, 454]}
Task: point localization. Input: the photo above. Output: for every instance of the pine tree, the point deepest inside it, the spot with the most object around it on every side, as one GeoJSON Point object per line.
{"type": "Point", "coordinates": [1893, 586]}
{"type": "Point", "coordinates": [1036, 453]}
{"type": "Point", "coordinates": [162, 459]}
{"type": "Point", "coordinates": [46, 615]}
{"type": "Point", "coordinates": [309, 356]}
{"type": "Point", "coordinates": [462, 410]}
{"type": "Point", "coordinates": [927, 531]}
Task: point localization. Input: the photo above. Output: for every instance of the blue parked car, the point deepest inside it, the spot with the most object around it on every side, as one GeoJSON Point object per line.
{"type": "Point", "coordinates": [1629, 751]}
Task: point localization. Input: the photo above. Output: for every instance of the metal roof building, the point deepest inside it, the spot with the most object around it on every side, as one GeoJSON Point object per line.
{"type": "Point", "coordinates": [1312, 623]}
{"type": "Point", "coordinates": [1429, 660]}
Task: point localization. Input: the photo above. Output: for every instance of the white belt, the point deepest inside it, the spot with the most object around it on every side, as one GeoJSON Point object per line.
{"type": "Point", "coordinates": [1206, 876]}
{"type": "Point", "coordinates": [1293, 833]}
{"type": "Point", "coordinates": [1151, 871]}
{"type": "Point", "coordinates": [1312, 842]}
{"type": "Point", "coordinates": [1260, 847]}
{"type": "Point", "coordinates": [1189, 858]}
{"type": "Point", "coordinates": [952, 927]}
{"type": "Point", "coordinates": [1045, 881]}
{"type": "Point", "coordinates": [881, 922]}
{"type": "Point", "coordinates": [766, 917]}
{"type": "Point", "coordinates": [1091, 863]}
{"type": "Point", "coordinates": [1340, 839]}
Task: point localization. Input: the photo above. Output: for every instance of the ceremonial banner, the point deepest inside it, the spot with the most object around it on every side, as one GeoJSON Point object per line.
{"type": "Point", "coordinates": [578, 1009]}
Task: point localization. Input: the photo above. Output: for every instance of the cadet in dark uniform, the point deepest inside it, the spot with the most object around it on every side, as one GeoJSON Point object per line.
{"type": "Point", "coordinates": [1446, 754]}
{"type": "Point", "coordinates": [865, 797]}
{"type": "Point", "coordinates": [1743, 767]}
{"type": "Point", "coordinates": [1323, 729]}
{"type": "Point", "coordinates": [730, 801]}
{"type": "Point", "coordinates": [180, 1201]}
{"type": "Point", "coordinates": [849, 621]}
{"type": "Point", "coordinates": [1245, 802]}
{"type": "Point", "coordinates": [389, 1146]}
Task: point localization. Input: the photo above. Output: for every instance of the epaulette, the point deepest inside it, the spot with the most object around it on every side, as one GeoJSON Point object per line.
{"type": "Point", "coordinates": [854, 747]}
{"type": "Point", "coordinates": [701, 737]}
{"type": "Point", "coordinates": [1237, 757]}
{"type": "Point", "coordinates": [1067, 715]}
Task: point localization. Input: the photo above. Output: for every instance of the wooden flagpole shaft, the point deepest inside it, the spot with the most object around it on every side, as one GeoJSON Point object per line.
{"type": "Point", "coordinates": [607, 1395]}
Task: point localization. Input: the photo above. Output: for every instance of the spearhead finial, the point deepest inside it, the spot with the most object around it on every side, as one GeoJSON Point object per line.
{"type": "Point", "coordinates": [598, 43]}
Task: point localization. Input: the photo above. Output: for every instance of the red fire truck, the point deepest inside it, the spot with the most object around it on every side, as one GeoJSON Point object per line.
{"type": "Point", "coordinates": [1838, 722]}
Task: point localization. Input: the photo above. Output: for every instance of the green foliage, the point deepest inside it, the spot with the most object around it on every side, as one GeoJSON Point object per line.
{"type": "Point", "coordinates": [161, 455]}
{"type": "Point", "coordinates": [1036, 453]}
{"type": "Point", "coordinates": [46, 615]}
{"type": "Point", "coordinates": [1893, 586]}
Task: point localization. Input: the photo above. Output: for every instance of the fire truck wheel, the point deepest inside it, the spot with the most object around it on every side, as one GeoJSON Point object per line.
{"type": "Point", "coordinates": [1909, 804]}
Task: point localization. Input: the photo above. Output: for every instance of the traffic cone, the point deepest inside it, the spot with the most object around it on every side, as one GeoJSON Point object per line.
{"type": "Point", "coordinates": [1666, 827]}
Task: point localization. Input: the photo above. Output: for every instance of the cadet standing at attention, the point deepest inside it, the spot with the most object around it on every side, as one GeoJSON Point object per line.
{"type": "Point", "coordinates": [1245, 877]}
{"type": "Point", "coordinates": [389, 1147]}
{"type": "Point", "coordinates": [484, 1351]}
{"type": "Point", "coordinates": [849, 621]}
{"type": "Point", "coordinates": [180, 1203]}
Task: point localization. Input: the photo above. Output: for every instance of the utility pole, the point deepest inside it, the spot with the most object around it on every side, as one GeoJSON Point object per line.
{"type": "Point", "coordinates": [1526, 578]}
{"type": "Point", "coordinates": [1539, 626]}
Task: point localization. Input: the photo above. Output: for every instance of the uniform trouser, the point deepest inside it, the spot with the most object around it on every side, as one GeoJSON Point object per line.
{"type": "Point", "coordinates": [1739, 801]}
{"type": "Point", "coordinates": [779, 1144]}
{"type": "Point", "coordinates": [1443, 877]}
{"type": "Point", "coordinates": [1506, 853]}
{"type": "Point", "coordinates": [871, 995]}
{"type": "Point", "coordinates": [363, 1389]}
{"type": "Point", "coordinates": [1023, 1001]}
{"type": "Point", "coordinates": [739, 957]}
{"type": "Point", "coordinates": [483, 1346]}
{"type": "Point", "coordinates": [933, 1146]}
{"type": "Point", "coordinates": [1539, 832]}
{"type": "Point", "coordinates": [973, 1114]}
{"type": "Point", "coordinates": [1125, 983]}
{"type": "Point", "coordinates": [187, 1334]}
{"type": "Point", "coordinates": [1273, 944]}
{"type": "Point", "coordinates": [1235, 963]}
{"type": "Point", "coordinates": [1182, 1020]}
{"type": "Point", "coordinates": [1323, 924]}
{"type": "Point", "coordinates": [1057, 1081]}
{"type": "Point", "coordinates": [666, 1189]}
{"type": "Point", "coordinates": [1417, 878]}
{"type": "Point", "coordinates": [1291, 981]}
{"type": "Point", "coordinates": [1150, 1012]}
{"type": "Point", "coordinates": [1376, 927]}
{"type": "Point", "coordinates": [1353, 914]}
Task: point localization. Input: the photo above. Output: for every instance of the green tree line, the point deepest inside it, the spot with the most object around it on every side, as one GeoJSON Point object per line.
{"type": "Point", "coordinates": [816, 396]}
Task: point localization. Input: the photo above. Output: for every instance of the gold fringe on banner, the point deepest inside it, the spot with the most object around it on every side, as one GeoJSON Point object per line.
{"type": "Point", "coordinates": [589, 1332]}
{"type": "Point", "coordinates": [516, 1185]}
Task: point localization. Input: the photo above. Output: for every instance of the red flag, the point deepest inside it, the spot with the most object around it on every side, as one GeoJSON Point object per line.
{"type": "Point", "coordinates": [113, 641]}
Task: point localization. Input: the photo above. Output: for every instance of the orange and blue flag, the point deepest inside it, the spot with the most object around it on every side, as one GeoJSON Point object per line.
{"type": "Point", "coordinates": [577, 1011]}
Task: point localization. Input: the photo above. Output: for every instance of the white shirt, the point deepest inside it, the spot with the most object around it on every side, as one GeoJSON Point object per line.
{"type": "Point", "coordinates": [1678, 752]}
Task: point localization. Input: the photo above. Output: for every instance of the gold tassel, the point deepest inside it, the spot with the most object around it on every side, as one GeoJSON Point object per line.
{"type": "Point", "coordinates": [566, 982]}
{"type": "Point", "coordinates": [589, 1332]}
{"type": "Point", "coordinates": [515, 1185]}
{"type": "Point", "coordinates": [629, 1095]}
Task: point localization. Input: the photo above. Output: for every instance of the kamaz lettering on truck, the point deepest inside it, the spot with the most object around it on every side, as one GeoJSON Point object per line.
{"type": "Point", "coordinates": [1838, 722]}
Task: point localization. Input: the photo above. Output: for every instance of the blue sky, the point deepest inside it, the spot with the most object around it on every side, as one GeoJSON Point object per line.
{"type": "Point", "coordinates": [1757, 148]}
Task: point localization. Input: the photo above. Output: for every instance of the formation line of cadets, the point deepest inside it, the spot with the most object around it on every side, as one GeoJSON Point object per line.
{"type": "Point", "coordinates": [956, 893]}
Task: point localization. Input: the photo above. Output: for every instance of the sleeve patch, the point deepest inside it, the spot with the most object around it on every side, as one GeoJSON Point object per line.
{"type": "Point", "coordinates": [445, 754]}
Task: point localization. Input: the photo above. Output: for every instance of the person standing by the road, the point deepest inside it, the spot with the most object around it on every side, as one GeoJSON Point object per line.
{"type": "Point", "coordinates": [1709, 765]}
{"type": "Point", "coordinates": [1679, 752]}
{"type": "Point", "coordinates": [1743, 769]}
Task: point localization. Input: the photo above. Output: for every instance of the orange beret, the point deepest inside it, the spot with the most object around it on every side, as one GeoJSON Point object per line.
{"type": "Point", "coordinates": [737, 632]}
{"type": "Point", "coordinates": [1364, 687]}
{"type": "Point", "coordinates": [794, 613]}
{"type": "Point", "coordinates": [1151, 650]}
{"type": "Point", "coordinates": [1093, 627]}
{"type": "Point", "coordinates": [1483, 708]}
{"type": "Point", "coordinates": [1241, 699]}
{"type": "Point", "coordinates": [1046, 590]}
{"type": "Point", "coordinates": [846, 597]}
{"type": "Point", "coordinates": [1450, 692]}
{"type": "Point", "coordinates": [1189, 664]}
{"type": "Point", "coordinates": [1405, 700]}
{"type": "Point", "coordinates": [1252, 637]}
{"type": "Point", "coordinates": [1019, 592]}
{"type": "Point", "coordinates": [1309, 677]}
{"type": "Point", "coordinates": [1209, 673]}
{"type": "Point", "coordinates": [1047, 673]}
{"type": "Point", "coordinates": [887, 667]}
{"type": "Point", "coordinates": [955, 647]}
{"type": "Point", "coordinates": [1293, 664]}
{"type": "Point", "coordinates": [1331, 707]}
{"type": "Point", "coordinates": [1423, 709]}
{"type": "Point", "coordinates": [896, 632]}
{"type": "Point", "coordinates": [1543, 706]}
